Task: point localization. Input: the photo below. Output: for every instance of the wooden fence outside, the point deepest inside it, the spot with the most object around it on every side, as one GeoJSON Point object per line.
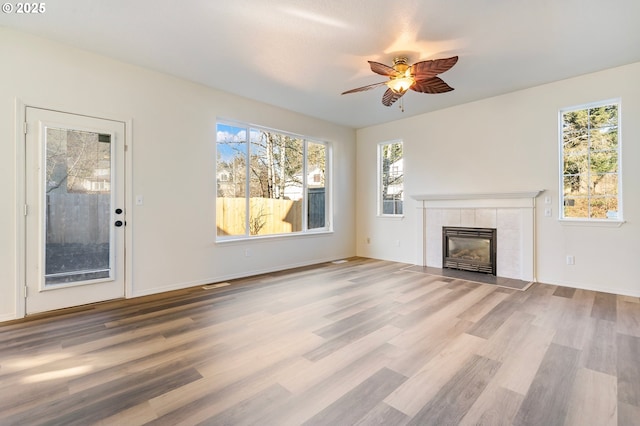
{"type": "Point", "coordinates": [267, 216]}
{"type": "Point", "coordinates": [316, 214]}
{"type": "Point", "coordinates": [74, 218]}
{"type": "Point", "coordinates": [85, 218]}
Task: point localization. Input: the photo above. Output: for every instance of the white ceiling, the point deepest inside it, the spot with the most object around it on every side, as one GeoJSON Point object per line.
{"type": "Point", "coordinates": [301, 54]}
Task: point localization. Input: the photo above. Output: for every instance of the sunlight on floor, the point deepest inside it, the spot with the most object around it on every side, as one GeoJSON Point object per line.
{"type": "Point", "coordinates": [32, 361]}
{"type": "Point", "coordinates": [51, 375]}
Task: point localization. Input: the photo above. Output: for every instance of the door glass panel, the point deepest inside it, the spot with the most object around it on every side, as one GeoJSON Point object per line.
{"type": "Point", "coordinates": [77, 206]}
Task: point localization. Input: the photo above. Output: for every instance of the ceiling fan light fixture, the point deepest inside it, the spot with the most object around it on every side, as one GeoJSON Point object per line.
{"type": "Point", "coordinates": [400, 84]}
{"type": "Point", "coordinates": [402, 80]}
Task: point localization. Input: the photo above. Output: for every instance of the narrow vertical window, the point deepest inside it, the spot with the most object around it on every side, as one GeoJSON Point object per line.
{"type": "Point", "coordinates": [390, 178]}
{"type": "Point", "coordinates": [590, 168]}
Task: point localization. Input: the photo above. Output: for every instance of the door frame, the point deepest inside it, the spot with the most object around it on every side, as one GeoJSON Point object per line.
{"type": "Point", "coordinates": [21, 196]}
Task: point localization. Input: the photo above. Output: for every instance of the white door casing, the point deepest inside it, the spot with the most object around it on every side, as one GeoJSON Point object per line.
{"type": "Point", "coordinates": [75, 210]}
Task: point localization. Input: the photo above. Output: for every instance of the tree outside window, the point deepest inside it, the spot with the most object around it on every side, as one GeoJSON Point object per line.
{"type": "Point", "coordinates": [391, 178]}
{"type": "Point", "coordinates": [268, 182]}
{"type": "Point", "coordinates": [590, 162]}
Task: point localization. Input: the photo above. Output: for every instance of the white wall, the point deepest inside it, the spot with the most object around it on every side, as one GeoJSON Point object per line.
{"type": "Point", "coordinates": [505, 144]}
{"type": "Point", "coordinates": [174, 123]}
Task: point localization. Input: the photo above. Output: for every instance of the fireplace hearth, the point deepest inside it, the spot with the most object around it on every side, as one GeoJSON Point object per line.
{"type": "Point", "coordinates": [469, 249]}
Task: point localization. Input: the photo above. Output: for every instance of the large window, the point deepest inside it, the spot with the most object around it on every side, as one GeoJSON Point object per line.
{"type": "Point", "coordinates": [590, 167]}
{"type": "Point", "coordinates": [390, 179]}
{"type": "Point", "coordinates": [269, 182]}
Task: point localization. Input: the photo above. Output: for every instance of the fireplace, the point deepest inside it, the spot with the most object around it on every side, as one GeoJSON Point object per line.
{"type": "Point", "coordinates": [469, 249]}
{"type": "Point", "coordinates": [512, 214]}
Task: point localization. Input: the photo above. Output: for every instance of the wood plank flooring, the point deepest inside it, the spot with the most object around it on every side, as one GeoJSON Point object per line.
{"type": "Point", "coordinates": [365, 342]}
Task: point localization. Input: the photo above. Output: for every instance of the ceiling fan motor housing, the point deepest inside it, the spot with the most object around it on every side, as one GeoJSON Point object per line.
{"type": "Point", "coordinates": [400, 64]}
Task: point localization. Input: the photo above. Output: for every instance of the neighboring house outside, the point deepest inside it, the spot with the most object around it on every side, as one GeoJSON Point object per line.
{"type": "Point", "coordinates": [315, 179]}
{"type": "Point", "coordinates": [396, 170]}
{"type": "Point", "coordinates": [100, 182]}
{"type": "Point", "coordinates": [225, 183]}
{"type": "Point", "coordinates": [392, 202]}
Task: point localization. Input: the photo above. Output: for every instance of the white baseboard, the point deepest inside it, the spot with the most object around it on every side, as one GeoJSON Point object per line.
{"type": "Point", "coordinates": [621, 292]}
{"type": "Point", "coordinates": [8, 317]}
{"type": "Point", "coordinates": [245, 274]}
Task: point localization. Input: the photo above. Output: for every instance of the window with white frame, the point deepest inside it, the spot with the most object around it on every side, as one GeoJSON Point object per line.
{"type": "Point", "coordinates": [390, 179]}
{"type": "Point", "coordinates": [590, 162]}
{"type": "Point", "coordinates": [269, 182]}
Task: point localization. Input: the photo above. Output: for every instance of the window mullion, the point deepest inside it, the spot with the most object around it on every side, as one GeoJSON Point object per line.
{"type": "Point", "coordinates": [589, 164]}
{"type": "Point", "coordinates": [247, 187]}
{"type": "Point", "coordinates": [305, 189]}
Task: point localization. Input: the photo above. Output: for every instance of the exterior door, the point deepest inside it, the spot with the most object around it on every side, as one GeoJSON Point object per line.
{"type": "Point", "coordinates": [75, 223]}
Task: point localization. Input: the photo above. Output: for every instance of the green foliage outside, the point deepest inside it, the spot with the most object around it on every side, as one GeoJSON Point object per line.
{"type": "Point", "coordinates": [590, 162]}
{"type": "Point", "coordinates": [392, 175]}
{"type": "Point", "coordinates": [276, 170]}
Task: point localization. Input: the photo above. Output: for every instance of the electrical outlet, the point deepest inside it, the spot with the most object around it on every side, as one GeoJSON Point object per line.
{"type": "Point", "coordinates": [547, 212]}
{"type": "Point", "coordinates": [139, 200]}
{"type": "Point", "coordinates": [571, 260]}
{"type": "Point", "coordinates": [247, 252]}
{"type": "Point", "coordinates": [547, 200]}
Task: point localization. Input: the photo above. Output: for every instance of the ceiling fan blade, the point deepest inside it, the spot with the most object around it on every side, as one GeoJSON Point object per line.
{"type": "Point", "coordinates": [382, 69]}
{"type": "Point", "coordinates": [363, 88]}
{"type": "Point", "coordinates": [425, 69]}
{"type": "Point", "coordinates": [431, 85]}
{"type": "Point", "coordinates": [390, 97]}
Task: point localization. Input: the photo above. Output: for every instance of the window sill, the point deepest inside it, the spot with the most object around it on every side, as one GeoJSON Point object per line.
{"type": "Point", "coordinates": [391, 216]}
{"type": "Point", "coordinates": [242, 239]}
{"type": "Point", "coordinates": [602, 223]}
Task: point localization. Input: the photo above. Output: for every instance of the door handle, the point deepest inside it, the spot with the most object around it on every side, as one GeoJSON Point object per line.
{"type": "Point", "coordinates": [119, 223]}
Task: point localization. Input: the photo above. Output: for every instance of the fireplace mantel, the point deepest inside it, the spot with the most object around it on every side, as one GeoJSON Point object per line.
{"type": "Point", "coordinates": [476, 196]}
{"type": "Point", "coordinates": [523, 199]}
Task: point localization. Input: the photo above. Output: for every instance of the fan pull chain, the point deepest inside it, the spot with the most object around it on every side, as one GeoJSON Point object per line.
{"type": "Point", "coordinates": [401, 105]}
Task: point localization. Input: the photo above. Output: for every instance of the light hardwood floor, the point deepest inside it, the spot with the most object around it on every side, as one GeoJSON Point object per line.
{"type": "Point", "coordinates": [359, 343]}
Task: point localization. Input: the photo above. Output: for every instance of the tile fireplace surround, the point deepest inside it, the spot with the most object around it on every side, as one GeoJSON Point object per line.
{"type": "Point", "coordinates": [511, 213]}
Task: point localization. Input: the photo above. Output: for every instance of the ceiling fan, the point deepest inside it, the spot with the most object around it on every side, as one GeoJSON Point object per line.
{"type": "Point", "coordinates": [420, 77]}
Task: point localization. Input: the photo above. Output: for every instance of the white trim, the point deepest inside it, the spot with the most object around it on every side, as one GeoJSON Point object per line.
{"type": "Point", "coordinates": [271, 237]}
{"type": "Point", "coordinates": [615, 222]}
{"type": "Point", "coordinates": [380, 201]}
{"type": "Point", "coordinates": [305, 187]}
{"type": "Point", "coordinates": [602, 223]}
{"type": "Point", "coordinates": [581, 286]}
{"type": "Point", "coordinates": [246, 274]}
{"type": "Point", "coordinates": [391, 216]}
{"type": "Point", "coordinates": [328, 183]}
{"type": "Point", "coordinates": [9, 317]}
{"type": "Point", "coordinates": [525, 199]}
{"type": "Point", "coordinates": [20, 202]}
{"type": "Point", "coordinates": [477, 196]}
{"type": "Point", "coordinates": [128, 208]}
{"type": "Point", "coordinates": [20, 197]}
